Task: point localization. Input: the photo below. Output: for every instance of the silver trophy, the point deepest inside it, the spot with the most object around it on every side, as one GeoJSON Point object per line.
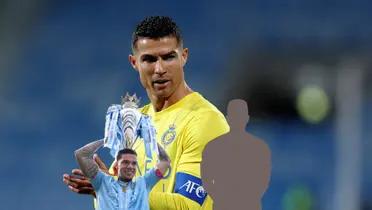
{"type": "Point", "coordinates": [125, 124]}
{"type": "Point", "coordinates": [131, 118]}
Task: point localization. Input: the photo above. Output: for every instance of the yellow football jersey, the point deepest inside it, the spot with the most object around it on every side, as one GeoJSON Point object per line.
{"type": "Point", "coordinates": [183, 129]}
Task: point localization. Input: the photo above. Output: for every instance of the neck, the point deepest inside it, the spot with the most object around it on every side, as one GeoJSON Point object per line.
{"type": "Point", "coordinates": [124, 180]}
{"type": "Point", "coordinates": [160, 103]}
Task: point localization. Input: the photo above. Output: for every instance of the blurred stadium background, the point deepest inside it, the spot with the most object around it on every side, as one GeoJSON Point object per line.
{"type": "Point", "coordinates": [304, 68]}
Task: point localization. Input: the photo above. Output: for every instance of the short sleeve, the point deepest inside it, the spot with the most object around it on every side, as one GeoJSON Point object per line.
{"type": "Point", "coordinates": [150, 179]}
{"type": "Point", "coordinates": [98, 179]}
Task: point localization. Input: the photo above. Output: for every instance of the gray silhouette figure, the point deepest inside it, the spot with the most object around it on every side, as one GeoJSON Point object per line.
{"type": "Point", "coordinates": [236, 167]}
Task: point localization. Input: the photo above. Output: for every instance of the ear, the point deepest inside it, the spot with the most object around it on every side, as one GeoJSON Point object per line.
{"type": "Point", "coordinates": [185, 55]}
{"type": "Point", "coordinates": [115, 168]}
{"type": "Point", "coordinates": [132, 61]}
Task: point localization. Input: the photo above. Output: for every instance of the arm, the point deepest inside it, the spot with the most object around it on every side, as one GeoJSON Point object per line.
{"type": "Point", "coordinates": [84, 157]}
{"type": "Point", "coordinates": [78, 183]}
{"type": "Point", "coordinates": [153, 176]}
{"type": "Point", "coordinates": [164, 161]}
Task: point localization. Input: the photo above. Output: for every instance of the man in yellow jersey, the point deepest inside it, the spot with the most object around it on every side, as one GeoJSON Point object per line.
{"type": "Point", "coordinates": [185, 122]}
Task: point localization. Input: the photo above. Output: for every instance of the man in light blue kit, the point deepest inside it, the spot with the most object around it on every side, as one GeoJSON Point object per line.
{"type": "Point", "coordinates": [123, 193]}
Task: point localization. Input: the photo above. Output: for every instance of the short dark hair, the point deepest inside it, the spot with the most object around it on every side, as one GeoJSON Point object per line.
{"type": "Point", "coordinates": [125, 151]}
{"type": "Point", "coordinates": [155, 27]}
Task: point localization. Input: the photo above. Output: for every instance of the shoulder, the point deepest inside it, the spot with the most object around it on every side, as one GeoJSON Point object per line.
{"type": "Point", "coordinates": [140, 180]}
{"type": "Point", "coordinates": [102, 175]}
{"type": "Point", "coordinates": [202, 103]}
{"type": "Point", "coordinates": [202, 108]}
{"type": "Point", "coordinates": [206, 112]}
{"type": "Point", "coordinates": [101, 179]}
{"type": "Point", "coordinates": [206, 122]}
{"type": "Point", "coordinates": [149, 179]}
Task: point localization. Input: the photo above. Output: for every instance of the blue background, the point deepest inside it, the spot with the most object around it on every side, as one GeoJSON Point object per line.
{"type": "Point", "coordinates": [62, 63]}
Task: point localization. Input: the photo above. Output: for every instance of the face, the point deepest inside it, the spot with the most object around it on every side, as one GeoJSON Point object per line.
{"type": "Point", "coordinates": [127, 166]}
{"type": "Point", "coordinates": [160, 65]}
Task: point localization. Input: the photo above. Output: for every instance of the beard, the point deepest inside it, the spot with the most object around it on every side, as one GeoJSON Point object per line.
{"type": "Point", "coordinates": [126, 175]}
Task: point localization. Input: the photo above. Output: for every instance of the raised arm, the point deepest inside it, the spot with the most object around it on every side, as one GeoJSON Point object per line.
{"type": "Point", "coordinates": [153, 176]}
{"type": "Point", "coordinates": [164, 160]}
{"type": "Point", "coordinates": [84, 157]}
